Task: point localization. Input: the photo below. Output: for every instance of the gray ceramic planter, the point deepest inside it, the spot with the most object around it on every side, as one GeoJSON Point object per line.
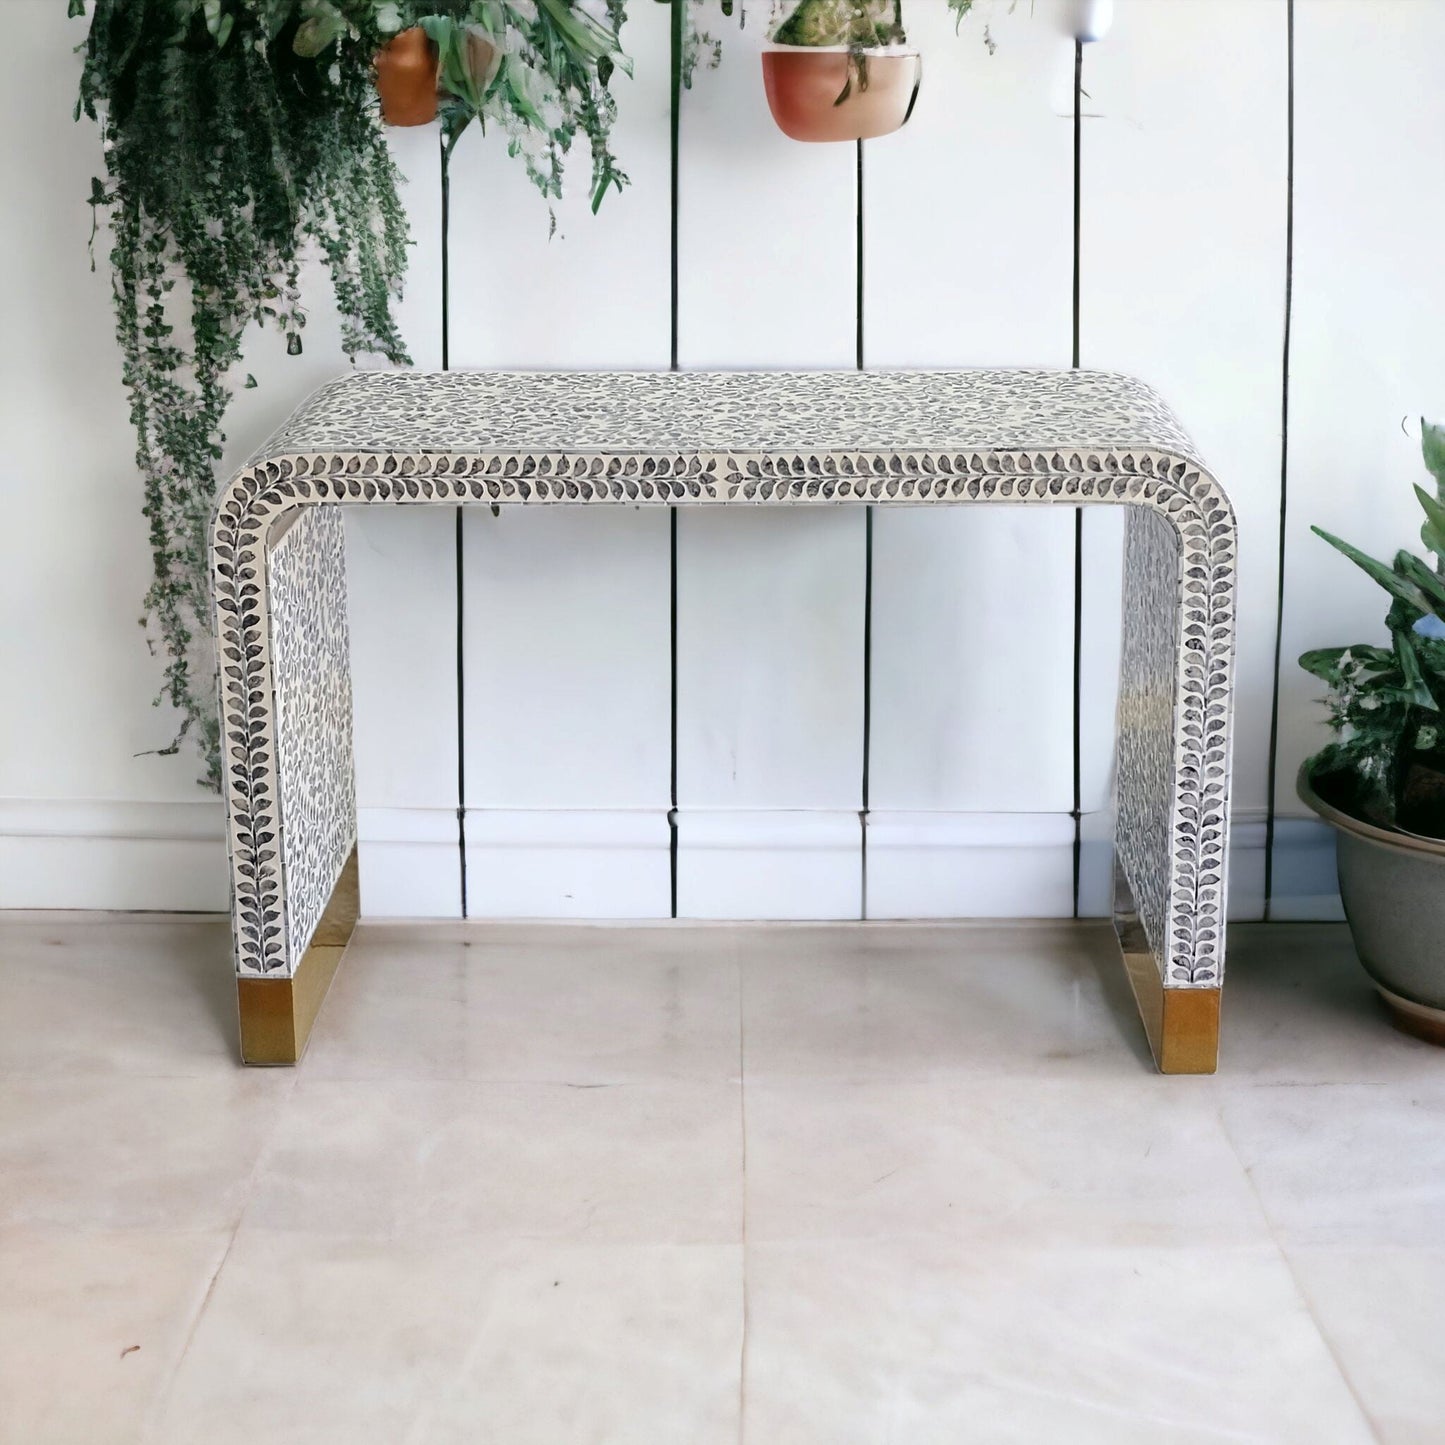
{"type": "Point", "coordinates": [1393, 886]}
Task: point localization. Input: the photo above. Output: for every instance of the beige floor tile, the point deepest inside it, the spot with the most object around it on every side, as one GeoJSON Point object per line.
{"type": "Point", "coordinates": [1008, 1161]}
{"type": "Point", "coordinates": [603, 1346]}
{"type": "Point", "coordinates": [1383, 1313]}
{"type": "Point", "coordinates": [1344, 1164]}
{"type": "Point", "coordinates": [503, 1198]}
{"type": "Point", "coordinates": [1298, 1008]}
{"type": "Point", "coordinates": [921, 1001]}
{"type": "Point", "coordinates": [535, 1003]}
{"type": "Point", "coordinates": [111, 1152]}
{"type": "Point", "coordinates": [116, 993]}
{"type": "Point", "coordinates": [91, 1327]}
{"type": "Point", "coordinates": [635, 1162]}
{"type": "Point", "coordinates": [931, 1343]}
{"type": "Point", "coordinates": [309, 1341]}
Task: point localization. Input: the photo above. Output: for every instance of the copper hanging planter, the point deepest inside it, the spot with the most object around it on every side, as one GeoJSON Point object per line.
{"type": "Point", "coordinates": [406, 78]}
{"type": "Point", "coordinates": [834, 93]}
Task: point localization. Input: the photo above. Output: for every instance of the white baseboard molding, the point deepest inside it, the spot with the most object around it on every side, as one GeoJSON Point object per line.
{"type": "Point", "coordinates": [410, 863]}
{"type": "Point", "coordinates": [170, 857]}
{"type": "Point", "coordinates": [755, 863]}
{"type": "Point", "coordinates": [1305, 885]}
{"type": "Point", "coordinates": [1020, 865]}
{"type": "Point", "coordinates": [567, 864]}
{"type": "Point", "coordinates": [970, 865]}
{"type": "Point", "coordinates": [113, 854]}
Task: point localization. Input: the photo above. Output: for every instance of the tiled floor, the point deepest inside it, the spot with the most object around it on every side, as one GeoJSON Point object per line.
{"type": "Point", "coordinates": [677, 1186]}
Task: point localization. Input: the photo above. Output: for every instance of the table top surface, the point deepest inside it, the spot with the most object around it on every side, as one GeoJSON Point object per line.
{"type": "Point", "coordinates": [775, 413]}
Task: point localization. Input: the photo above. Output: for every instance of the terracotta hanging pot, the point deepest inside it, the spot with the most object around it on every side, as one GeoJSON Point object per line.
{"type": "Point", "coordinates": [831, 93]}
{"type": "Point", "coordinates": [406, 78]}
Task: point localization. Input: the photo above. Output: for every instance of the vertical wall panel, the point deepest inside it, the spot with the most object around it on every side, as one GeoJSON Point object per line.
{"type": "Point", "coordinates": [770, 605]}
{"type": "Point", "coordinates": [1367, 358]}
{"type": "Point", "coordinates": [1183, 273]}
{"type": "Point", "coordinates": [969, 263]}
{"type": "Point", "coordinates": [567, 673]}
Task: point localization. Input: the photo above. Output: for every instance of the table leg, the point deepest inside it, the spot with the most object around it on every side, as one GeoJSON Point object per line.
{"type": "Point", "coordinates": [1172, 831]}
{"type": "Point", "coordinates": [277, 1013]}
{"type": "Point", "coordinates": [1182, 1023]}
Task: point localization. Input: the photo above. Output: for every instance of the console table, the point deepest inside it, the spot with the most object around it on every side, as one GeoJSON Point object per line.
{"type": "Point", "coordinates": [884, 439]}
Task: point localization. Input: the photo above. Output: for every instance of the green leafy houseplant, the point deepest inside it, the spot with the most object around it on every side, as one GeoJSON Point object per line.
{"type": "Point", "coordinates": [858, 24]}
{"type": "Point", "coordinates": [236, 134]}
{"type": "Point", "coordinates": [551, 62]}
{"type": "Point", "coordinates": [1387, 704]}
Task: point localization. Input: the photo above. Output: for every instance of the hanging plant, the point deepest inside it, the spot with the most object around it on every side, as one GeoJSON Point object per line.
{"type": "Point", "coordinates": [840, 70]}
{"type": "Point", "coordinates": [236, 134]}
{"type": "Point", "coordinates": [537, 69]}
{"type": "Point", "coordinates": [804, 86]}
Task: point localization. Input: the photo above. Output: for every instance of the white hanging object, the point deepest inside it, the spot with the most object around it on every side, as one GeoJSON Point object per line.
{"type": "Point", "coordinates": [1088, 20]}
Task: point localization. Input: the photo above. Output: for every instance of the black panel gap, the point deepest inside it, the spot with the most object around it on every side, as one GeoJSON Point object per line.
{"type": "Point", "coordinates": [867, 563]}
{"type": "Point", "coordinates": [1269, 824]}
{"type": "Point", "coordinates": [1076, 812]}
{"type": "Point", "coordinates": [460, 563]}
{"type": "Point", "coordinates": [675, 109]}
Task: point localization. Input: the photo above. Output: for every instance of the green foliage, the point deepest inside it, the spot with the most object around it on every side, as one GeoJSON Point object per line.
{"type": "Point", "coordinates": [858, 24]}
{"type": "Point", "coordinates": [699, 47]}
{"type": "Point", "coordinates": [1387, 704]}
{"type": "Point", "coordinates": [236, 133]}
{"type": "Point", "coordinates": [549, 80]}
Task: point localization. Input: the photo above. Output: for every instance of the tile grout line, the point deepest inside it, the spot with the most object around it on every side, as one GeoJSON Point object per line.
{"type": "Point", "coordinates": [163, 1393]}
{"type": "Point", "coordinates": [1299, 1289]}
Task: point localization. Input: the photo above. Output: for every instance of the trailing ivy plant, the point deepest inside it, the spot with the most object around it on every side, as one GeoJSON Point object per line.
{"type": "Point", "coordinates": [1387, 704]}
{"type": "Point", "coordinates": [552, 61]}
{"type": "Point", "coordinates": [236, 133]}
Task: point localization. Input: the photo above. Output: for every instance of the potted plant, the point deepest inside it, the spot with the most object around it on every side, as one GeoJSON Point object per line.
{"type": "Point", "coordinates": [840, 70]}
{"type": "Point", "coordinates": [1381, 783]}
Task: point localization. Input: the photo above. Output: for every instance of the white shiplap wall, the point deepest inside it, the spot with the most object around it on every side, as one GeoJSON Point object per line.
{"type": "Point", "coordinates": [565, 652]}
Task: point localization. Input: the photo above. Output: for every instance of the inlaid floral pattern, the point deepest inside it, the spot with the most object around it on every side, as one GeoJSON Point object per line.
{"type": "Point", "coordinates": [890, 438]}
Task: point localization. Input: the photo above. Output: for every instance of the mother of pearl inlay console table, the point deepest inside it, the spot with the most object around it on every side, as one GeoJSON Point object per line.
{"type": "Point", "coordinates": [886, 439]}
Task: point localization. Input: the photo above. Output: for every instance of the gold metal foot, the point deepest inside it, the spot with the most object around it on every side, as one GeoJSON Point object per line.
{"type": "Point", "coordinates": [277, 1013]}
{"type": "Point", "coordinates": [1182, 1023]}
